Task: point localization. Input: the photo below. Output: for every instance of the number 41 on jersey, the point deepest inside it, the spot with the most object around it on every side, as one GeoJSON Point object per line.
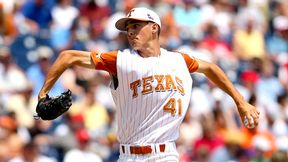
{"type": "Point", "coordinates": [172, 105]}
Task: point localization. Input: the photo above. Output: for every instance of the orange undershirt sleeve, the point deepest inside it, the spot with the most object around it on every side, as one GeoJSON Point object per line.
{"type": "Point", "coordinates": [105, 61]}
{"type": "Point", "coordinates": [191, 62]}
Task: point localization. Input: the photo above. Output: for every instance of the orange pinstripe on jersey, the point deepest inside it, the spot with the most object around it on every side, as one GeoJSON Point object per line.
{"type": "Point", "coordinates": [105, 61]}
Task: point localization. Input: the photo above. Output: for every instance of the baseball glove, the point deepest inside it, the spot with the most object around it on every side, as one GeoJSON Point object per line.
{"type": "Point", "coordinates": [50, 108]}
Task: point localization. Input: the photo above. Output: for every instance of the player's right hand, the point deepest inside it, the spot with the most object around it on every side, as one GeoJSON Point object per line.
{"type": "Point", "coordinates": [249, 115]}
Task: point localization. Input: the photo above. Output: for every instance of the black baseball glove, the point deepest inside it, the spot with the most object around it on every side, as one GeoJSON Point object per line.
{"type": "Point", "coordinates": [50, 108]}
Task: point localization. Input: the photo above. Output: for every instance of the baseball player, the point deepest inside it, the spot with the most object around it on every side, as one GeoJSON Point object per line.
{"type": "Point", "coordinates": [151, 87]}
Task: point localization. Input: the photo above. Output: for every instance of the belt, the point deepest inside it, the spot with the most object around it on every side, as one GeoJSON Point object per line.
{"type": "Point", "coordinates": [142, 150]}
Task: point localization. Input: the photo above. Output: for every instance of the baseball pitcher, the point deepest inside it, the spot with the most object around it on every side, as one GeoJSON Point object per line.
{"type": "Point", "coordinates": [151, 89]}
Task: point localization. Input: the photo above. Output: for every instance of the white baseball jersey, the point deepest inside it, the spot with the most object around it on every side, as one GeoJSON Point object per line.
{"type": "Point", "coordinates": [152, 94]}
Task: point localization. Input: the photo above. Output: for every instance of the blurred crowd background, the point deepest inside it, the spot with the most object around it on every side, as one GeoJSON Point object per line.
{"type": "Point", "coordinates": [248, 39]}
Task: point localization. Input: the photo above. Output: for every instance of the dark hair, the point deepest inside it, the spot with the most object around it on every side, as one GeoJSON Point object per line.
{"type": "Point", "coordinates": [159, 30]}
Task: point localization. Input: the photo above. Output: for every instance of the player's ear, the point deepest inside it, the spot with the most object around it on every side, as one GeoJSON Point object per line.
{"type": "Point", "coordinates": [154, 28]}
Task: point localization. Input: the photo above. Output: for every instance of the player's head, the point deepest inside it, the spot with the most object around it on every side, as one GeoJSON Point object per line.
{"type": "Point", "coordinates": [142, 26]}
{"type": "Point", "coordinates": [139, 14]}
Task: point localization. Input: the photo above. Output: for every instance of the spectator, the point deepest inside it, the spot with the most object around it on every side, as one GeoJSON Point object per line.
{"type": "Point", "coordinates": [170, 33]}
{"type": "Point", "coordinates": [97, 14]}
{"type": "Point", "coordinates": [246, 39]}
{"type": "Point", "coordinates": [261, 143]}
{"type": "Point", "coordinates": [205, 145]}
{"type": "Point", "coordinates": [249, 79]}
{"type": "Point", "coordinates": [12, 78]}
{"type": "Point", "coordinates": [248, 10]}
{"type": "Point", "coordinates": [95, 114]}
{"type": "Point", "coordinates": [30, 152]}
{"type": "Point", "coordinates": [196, 48]}
{"type": "Point", "coordinates": [231, 150]}
{"type": "Point", "coordinates": [44, 136]}
{"type": "Point", "coordinates": [37, 14]}
{"type": "Point", "coordinates": [187, 17]}
{"type": "Point", "coordinates": [222, 18]}
{"type": "Point", "coordinates": [7, 27]}
{"type": "Point", "coordinates": [23, 105]}
{"type": "Point", "coordinates": [213, 41]}
{"type": "Point", "coordinates": [268, 87]}
{"type": "Point", "coordinates": [186, 139]}
{"type": "Point", "coordinates": [10, 140]}
{"type": "Point", "coordinates": [38, 71]}
{"type": "Point", "coordinates": [283, 75]}
{"type": "Point", "coordinates": [82, 153]}
{"type": "Point", "coordinates": [277, 43]}
{"type": "Point", "coordinates": [63, 16]}
{"type": "Point", "coordinates": [80, 33]}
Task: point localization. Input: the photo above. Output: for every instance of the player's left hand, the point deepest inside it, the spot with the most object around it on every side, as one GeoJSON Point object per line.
{"type": "Point", "coordinates": [249, 115]}
{"type": "Point", "coordinates": [50, 108]}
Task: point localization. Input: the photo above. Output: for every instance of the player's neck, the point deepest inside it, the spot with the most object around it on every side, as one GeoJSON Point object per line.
{"type": "Point", "coordinates": [151, 50]}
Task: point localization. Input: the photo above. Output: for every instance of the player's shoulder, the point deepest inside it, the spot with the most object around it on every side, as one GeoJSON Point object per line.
{"type": "Point", "coordinates": [126, 51]}
{"type": "Point", "coordinates": [114, 53]}
{"type": "Point", "coordinates": [179, 52]}
{"type": "Point", "coordinates": [172, 56]}
{"type": "Point", "coordinates": [173, 53]}
{"type": "Point", "coordinates": [166, 52]}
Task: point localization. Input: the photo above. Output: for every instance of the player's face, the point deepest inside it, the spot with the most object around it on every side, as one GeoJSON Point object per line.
{"type": "Point", "coordinates": [138, 33]}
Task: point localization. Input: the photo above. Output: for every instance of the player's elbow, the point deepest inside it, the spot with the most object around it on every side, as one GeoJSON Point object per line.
{"type": "Point", "coordinates": [206, 67]}
{"type": "Point", "coordinates": [68, 57]}
{"type": "Point", "coordinates": [212, 70]}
